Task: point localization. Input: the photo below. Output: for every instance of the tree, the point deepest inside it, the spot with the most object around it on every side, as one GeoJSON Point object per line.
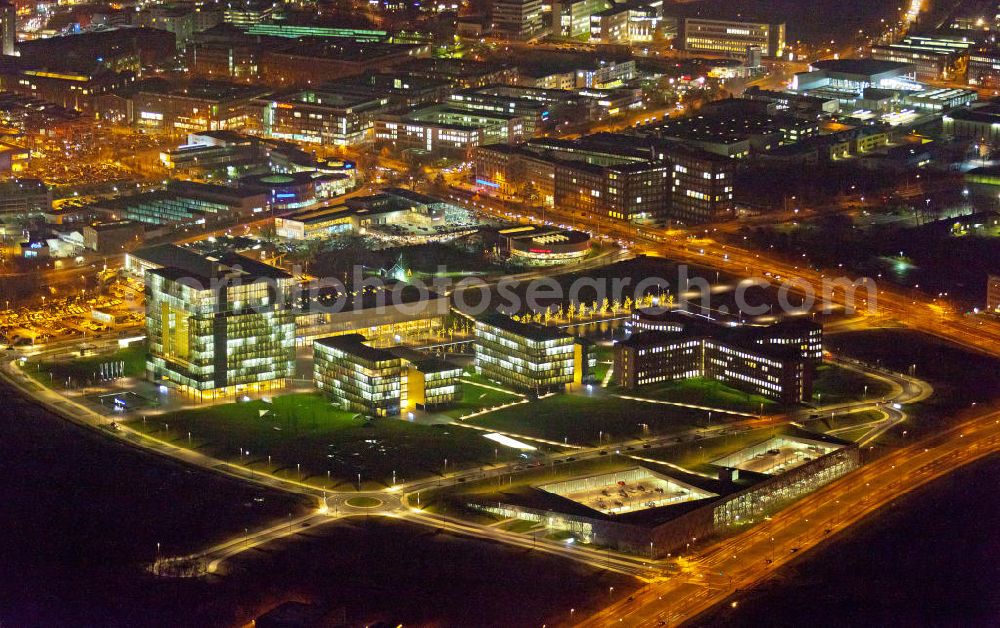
{"type": "Point", "coordinates": [439, 183]}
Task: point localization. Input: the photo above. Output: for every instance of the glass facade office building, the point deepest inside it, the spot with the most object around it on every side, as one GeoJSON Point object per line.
{"type": "Point", "coordinates": [431, 383]}
{"type": "Point", "coordinates": [382, 382]}
{"type": "Point", "coordinates": [526, 357]}
{"type": "Point", "coordinates": [222, 329]}
{"type": "Point", "coordinates": [775, 361]}
{"type": "Point", "coordinates": [358, 377]}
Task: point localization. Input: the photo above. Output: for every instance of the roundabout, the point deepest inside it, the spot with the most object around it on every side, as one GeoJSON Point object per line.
{"type": "Point", "coordinates": [363, 501]}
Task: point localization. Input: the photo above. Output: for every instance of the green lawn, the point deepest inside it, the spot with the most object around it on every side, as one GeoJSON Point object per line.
{"type": "Point", "coordinates": [582, 418]}
{"type": "Point", "coordinates": [696, 453]}
{"type": "Point", "coordinates": [475, 398]}
{"type": "Point", "coordinates": [519, 525]}
{"type": "Point", "coordinates": [854, 435]}
{"type": "Point", "coordinates": [605, 357]}
{"type": "Point", "coordinates": [841, 421]}
{"type": "Point", "coordinates": [87, 370]}
{"type": "Point", "coordinates": [304, 429]}
{"type": "Point", "coordinates": [707, 392]}
{"type": "Point", "coordinates": [836, 384]}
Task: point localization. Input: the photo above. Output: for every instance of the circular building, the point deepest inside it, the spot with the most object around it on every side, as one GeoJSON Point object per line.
{"type": "Point", "coordinates": [545, 245]}
{"type": "Point", "coordinates": [285, 190]}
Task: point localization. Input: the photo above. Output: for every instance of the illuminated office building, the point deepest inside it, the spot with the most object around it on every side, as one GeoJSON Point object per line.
{"type": "Point", "coordinates": [607, 175]}
{"type": "Point", "coordinates": [701, 186]}
{"type": "Point", "coordinates": [770, 372]}
{"type": "Point", "coordinates": [25, 197]}
{"type": "Point", "coordinates": [571, 18]}
{"type": "Point", "coordinates": [802, 335]}
{"type": "Point", "coordinates": [247, 12]}
{"type": "Point", "coordinates": [731, 37]}
{"type": "Point", "coordinates": [199, 106]}
{"type": "Point", "coordinates": [358, 377]}
{"type": "Point", "coordinates": [935, 58]}
{"type": "Point", "coordinates": [382, 382]}
{"type": "Point", "coordinates": [774, 361]}
{"type": "Point", "coordinates": [427, 382]}
{"type": "Point", "coordinates": [71, 89]}
{"type": "Point", "coordinates": [8, 28]}
{"type": "Point", "coordinates": [532, 358]}
{"type": "Point", "coordinates": [400, 313]}
{"type": "Point", "coordinates": [321, 117]}
{"type": "Point", "coordinates": [612, 25]}
{"type": "Point", "coordinates": [984, 67]}
{"type": "Point", "coordinates": [521, 19]}
{"type": "Point", "coordinates": [993, 293]}
{"type": "Point", "coordinates": [452, 128]}
{"type": "Point", "coordinates": [220, 327]}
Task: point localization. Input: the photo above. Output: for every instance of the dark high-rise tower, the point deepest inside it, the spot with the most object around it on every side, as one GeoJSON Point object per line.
{"type": "Point", "coordinates": [8, 28]}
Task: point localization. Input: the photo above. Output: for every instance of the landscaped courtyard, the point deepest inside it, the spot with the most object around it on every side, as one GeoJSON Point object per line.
{"type": "Point", "coordinates": [478, 394]}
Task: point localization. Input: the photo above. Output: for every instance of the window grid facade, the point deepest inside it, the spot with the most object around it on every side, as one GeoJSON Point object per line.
{"type": "Point", "coordinates": [523, 356]}
{"type": "Point", "coordinates": [221, 340]}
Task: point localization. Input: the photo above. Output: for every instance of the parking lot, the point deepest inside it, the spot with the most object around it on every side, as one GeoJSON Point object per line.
{"type": "Point", "coordinates": [117, 307]}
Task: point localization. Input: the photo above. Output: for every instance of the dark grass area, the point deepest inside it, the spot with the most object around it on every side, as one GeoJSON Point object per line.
{"type": "Point", "coordinates": [81, 515]}
{"type": "Point", "coordinates": [305, 429]}
{"type": "Point", "coordinates": [381, 570]}
{"type": "Point", "coordinates": [86, 370]}
{"type": "Point", "coordinates": [836, 384]}
{"type": "Point", "coordinates": [707, 392]}
{"type": "Point", "coordinates": [476, 398]}
{"type": "Point", "coordinates": [696, 454]}
{"type": "Point", "coordinates": [584, 419]}
{"type": "Point", "coordinates": [960, 377]}
{"type": "Point", "coordinates": [843, 421]}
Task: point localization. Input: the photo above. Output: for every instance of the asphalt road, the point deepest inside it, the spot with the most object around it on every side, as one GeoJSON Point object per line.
{"type": "Point", "coordinates": [724, 568]}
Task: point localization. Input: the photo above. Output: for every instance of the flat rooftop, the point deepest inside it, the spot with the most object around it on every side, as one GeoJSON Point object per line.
{"type": "Point", "coordinates": [545, 235]}
{"type": "Point", "coordinates": [537, 333]}
{"type": "Point", "coordinates": [167, 255]}
{"type": "Point", "coordinates": [212, 91]}
{"type": "Point", "coordinates": [777, 455]}
{"type": "Point", "coordinates": [354, 344]}
{"type": "Point", "coordinates": [424, 362]}
{"type": "Point", "coordinates": [345, 50]}
{"type": "Point", "coordinates": [321, 214]}
{"type": "Point", "coordinates": [331, 96]}
{"type": "Point", "coordinates": [865, 67]}
{"type": "Point", "coordinates": [203, 269]}
{"type": "Point", "coordinates": [629, 490]}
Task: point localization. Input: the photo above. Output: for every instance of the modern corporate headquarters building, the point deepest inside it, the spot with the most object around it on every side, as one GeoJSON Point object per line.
{"type": "Point", "coordinates": [732, 37]}
{"type": "Point", "coordinates": [775, 361]}
{"type": "Point", "coordinates": [382, 382]}
{"type": "Point", "coordinates": [530, 358]}
{"type": "Point", "coordinates": [219, 327]}
{"type": "Point", "coordinates": [358, 377]}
